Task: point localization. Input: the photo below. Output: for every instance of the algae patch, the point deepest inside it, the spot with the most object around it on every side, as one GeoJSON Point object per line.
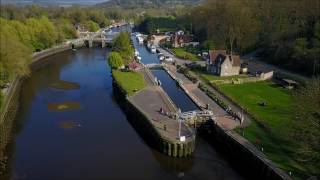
{"type": "Point", "coordinates": [65, 106]}
{"type": "Point", "coordinates": [65, 85]}
{"type": "Point", "coordinates": [67, 125]}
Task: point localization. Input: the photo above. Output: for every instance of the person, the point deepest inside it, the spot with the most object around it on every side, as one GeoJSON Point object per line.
{"type": "Point", "coordinates": [161, 110]}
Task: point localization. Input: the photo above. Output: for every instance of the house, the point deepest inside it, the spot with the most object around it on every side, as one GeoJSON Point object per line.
{"type": "Point", "coordinates": [180, 39]}
{"type": "Point", "coordinates": [223, 64]}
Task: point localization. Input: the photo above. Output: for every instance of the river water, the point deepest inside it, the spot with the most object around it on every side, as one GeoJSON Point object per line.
{"type": "Point", "coordinates": [69, 126]}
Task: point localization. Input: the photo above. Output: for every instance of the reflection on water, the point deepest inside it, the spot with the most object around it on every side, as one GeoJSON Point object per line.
{"type": "Point", "coordinates": [65, 106]}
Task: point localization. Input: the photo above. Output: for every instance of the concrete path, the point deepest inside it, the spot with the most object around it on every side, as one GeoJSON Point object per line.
{"type": "Point", "coordinates": [150, 100]}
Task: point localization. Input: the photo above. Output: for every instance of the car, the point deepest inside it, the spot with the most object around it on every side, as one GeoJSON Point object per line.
{"type": "Point", "coordinates": [168, 59]}
{"type": "Point", "coordinates": [161, 57]}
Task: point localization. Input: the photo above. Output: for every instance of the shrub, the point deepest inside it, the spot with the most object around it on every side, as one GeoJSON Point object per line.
{"type": "Point", "coordinates": [115, 60]}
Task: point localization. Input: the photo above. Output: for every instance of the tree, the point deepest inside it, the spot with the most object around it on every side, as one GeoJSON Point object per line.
{"type": "Point", "coordinates": [115, 60]}
{"type": "Point", "coordinates": [22, 31]}
{"type": "Point", "coordinates": [231, 24]}
{"type": "Point", "coordinates": [65, 30]}
{"type": "Point", "coordinates": [122, 45]}
{"type": "Point", "coordinates": [43, 33]}
{"type": "Point", "coordinates": [208, 45]}
{"type": "Point", "coordinates": [14, 55]}
{"type": "Point", "coordinates": [91, 26]}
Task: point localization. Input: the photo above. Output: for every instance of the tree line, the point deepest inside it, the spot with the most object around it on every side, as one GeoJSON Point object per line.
{"type": "Point", "coordinates": [25, 30]}
{"type": "Point", "coordinates": [286, 32]}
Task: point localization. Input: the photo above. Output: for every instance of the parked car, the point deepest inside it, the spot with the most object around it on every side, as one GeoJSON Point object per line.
{"type": "Point", "coordinates": [161, 57]}
{"type": "Point", "coordinates": [168, 59]}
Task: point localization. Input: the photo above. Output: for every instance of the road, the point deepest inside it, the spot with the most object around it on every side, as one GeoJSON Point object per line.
{"type": "Point", "coordinates": [255, 65]}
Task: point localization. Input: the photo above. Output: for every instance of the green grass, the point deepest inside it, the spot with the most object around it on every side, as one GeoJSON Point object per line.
{"type": "Point", "coordinates": [276, 115]}
{"type": "Point", "coordinates": [279, 101]}
{"type": "Point", "coordinates": [214, 78]}
{"type": "Point", "coordinates": [182, 53]}
{"type": "Point", "coordinates": [1, 99]}
{"type": "Point", "coordinates": [129, 81]}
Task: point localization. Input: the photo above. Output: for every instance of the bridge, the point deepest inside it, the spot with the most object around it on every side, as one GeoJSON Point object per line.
{"type": "Point", "coordinates": [104, 36]}
{"type": "Point", "coordinates": [154, 66]}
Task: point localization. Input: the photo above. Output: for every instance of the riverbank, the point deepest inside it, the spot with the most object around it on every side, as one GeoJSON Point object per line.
{"type": "Point", "coordinates": [13, 89]}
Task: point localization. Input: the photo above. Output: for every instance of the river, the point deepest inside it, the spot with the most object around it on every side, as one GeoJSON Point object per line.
{"type": "Point", "coordinates": [69, 126]}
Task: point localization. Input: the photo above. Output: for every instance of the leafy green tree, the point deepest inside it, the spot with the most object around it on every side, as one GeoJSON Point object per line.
{"type": "Point", "coordinates": [122, 45]}
{"type": "Point", "coordinates": [91, 26]}
{"type": "Point", "coordinates": [22, 31]}
{"type": "Point", "coordinates": [115, 60]}
{"type": "Point", "coordinates": [65, 29]}
{"type": "Point", "coordinates": [208, 45]}
{"type": "Point", "coordinates": [43, 33]}
{"type": "Point", "coordinates": [14, 55]}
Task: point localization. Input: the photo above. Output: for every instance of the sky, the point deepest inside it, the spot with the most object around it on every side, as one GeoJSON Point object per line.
{"type": "Point", "coordinates": [55, 2]}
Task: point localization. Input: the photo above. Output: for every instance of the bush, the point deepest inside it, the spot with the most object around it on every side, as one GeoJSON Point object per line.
{"type": "Point", "coordinates": [115, 60]}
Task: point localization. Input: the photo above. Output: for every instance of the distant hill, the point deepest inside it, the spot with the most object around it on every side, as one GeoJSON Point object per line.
{"type": "Point", "coordinates": [53, 2]}
{"type": "Point", "coordinates": [104, 3]}
{"type": "Point", "coordinates": [148, 3]}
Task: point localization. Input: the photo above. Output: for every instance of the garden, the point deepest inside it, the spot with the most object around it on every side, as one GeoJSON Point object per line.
{"type": "Point", "coordinates": [184, 54]}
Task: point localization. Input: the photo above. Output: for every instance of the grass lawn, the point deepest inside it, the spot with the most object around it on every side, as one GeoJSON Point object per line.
{"type": "Point", "coordinates": [182, 53]}
{"type": "Point", "coordinates": [277, 115]}
{"type": "Point", "coordinates": [1, 99]}
{"type": "Point", "coordinates": [213, 78]}
{"type": "Point", "coordinates": [129, 81]}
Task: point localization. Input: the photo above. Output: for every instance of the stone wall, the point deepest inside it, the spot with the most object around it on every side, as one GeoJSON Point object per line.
{"type": "Point", "coordinates": [147, 130]}
{"type": "Point", "coordinates": [250, 162]}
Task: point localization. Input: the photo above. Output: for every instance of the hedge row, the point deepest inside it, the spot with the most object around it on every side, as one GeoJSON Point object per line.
{"type": "Point", "coordinates": [187, 73]}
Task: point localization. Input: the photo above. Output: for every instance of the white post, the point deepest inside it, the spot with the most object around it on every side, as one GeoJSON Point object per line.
{"type": "Point", "coordinates": [179, 127]}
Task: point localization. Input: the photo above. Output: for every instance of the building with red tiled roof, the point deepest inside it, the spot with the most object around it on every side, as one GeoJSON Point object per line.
{"type": "Point", "coordinates": [222, 64]}
{"type": "Point", "coordinates": [180, 39]}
